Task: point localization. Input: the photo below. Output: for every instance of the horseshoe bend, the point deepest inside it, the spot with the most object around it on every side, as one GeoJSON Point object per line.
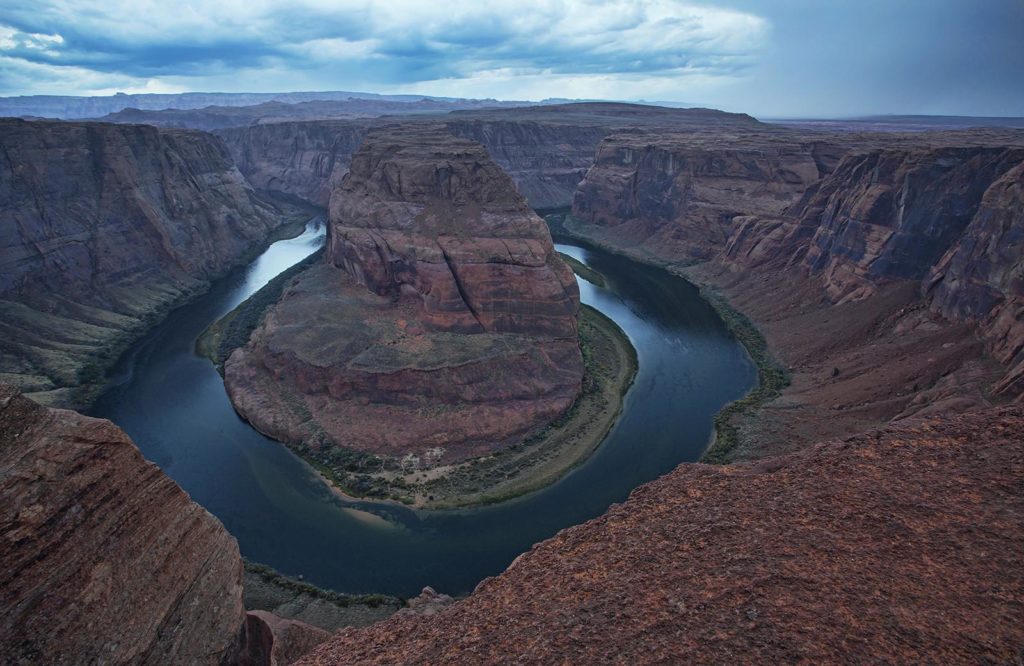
{"type": "Point", "coordinates": [355, 378]}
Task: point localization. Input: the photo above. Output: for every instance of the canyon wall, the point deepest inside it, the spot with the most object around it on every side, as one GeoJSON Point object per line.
{"type": "Point", "coordinates": [981, 278]}
{"type": "Point", "coordinates": [105, 559]}
{"type": "Point", "coordinates": [897, 251]}
{"type": "Point", "coordinates": [305, 159]}
{"type": "Point", "coordinates": [545, 149]}
{"type": "Point", "coordinates": [102, 227]}
{"type": "Point", "coordinates": [677, 195]}
{"type": "Point", "coordinates": [442, 325]}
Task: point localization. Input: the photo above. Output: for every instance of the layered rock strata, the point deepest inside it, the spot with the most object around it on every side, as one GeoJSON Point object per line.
{"type": "Point", "coordinates": [305, 159]}
{"type": "Point", "coordinates": [442, 325]}
{"type": "Point", "coordinates": [894, 259]}
{"type": "Point", "coordinates": [102, 227]}
{"type": "Point", "coordinates": [899, 545]}
{"type": "Point", "coordinates": [546, 149]}
{"type": "Point", "coordinates": [105, 559]}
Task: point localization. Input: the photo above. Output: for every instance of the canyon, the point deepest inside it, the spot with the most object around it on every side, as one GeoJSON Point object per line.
{"type": "Point", "coordinates": [545, 149]}
{"type": "Point", "coordinates": [104, 228]}
{"type": "Point", "coordinates": [872, 504]}
{"type": "Point", "coordinates": [83, 515]}
{"type": "Point", "coordinates": [901, 544]}
{"type": "Point", "coordinates": [864, 236]}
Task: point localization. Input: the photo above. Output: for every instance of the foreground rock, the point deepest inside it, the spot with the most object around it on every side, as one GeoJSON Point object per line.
{"type": "Point", "coordinates": [442, 325]}
{"type": "Point", "coordinates": [902, 545]}
{"type": "Point", "coordinates": [105, 559]}
{"type": "Point", "coordinates": [102, 228]}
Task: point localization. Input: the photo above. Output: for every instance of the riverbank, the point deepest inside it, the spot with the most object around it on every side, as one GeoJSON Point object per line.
{"type": "Point", "coordinates": [233, 329]}
{"type": "Point", "coordinates": [266, 589]}
{"type": "Point", "coordinates": [772, 376]}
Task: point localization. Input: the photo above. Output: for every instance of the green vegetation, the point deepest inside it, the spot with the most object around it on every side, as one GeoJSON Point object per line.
{"type": "Point", "coordinates": [584, 271]}
{"type": "Point", "coordinates": [234, 329]}
{"type": "Point", "coordinates": [772, 379]}
{"type": "Point", "coordinates": [280, 581]}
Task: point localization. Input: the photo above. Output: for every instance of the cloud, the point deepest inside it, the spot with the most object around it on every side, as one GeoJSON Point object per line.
{"type": "Point", "coordinates": [344, 43]}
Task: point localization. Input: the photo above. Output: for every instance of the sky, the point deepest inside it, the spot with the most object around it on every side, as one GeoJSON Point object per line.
{"type": "Point", "coordinates": [771, 58]}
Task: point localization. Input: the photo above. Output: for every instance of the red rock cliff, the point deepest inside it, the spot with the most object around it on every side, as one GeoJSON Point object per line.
{"type": "Point", "coordinates": [904, 545]}
{"type": "Point", "coordinates": [105, 559]}
{"type": "Point", "coordinates": [102, 227]}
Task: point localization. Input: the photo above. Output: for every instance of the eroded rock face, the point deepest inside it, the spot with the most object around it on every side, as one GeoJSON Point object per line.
{"type": "Point", "coordinates": [981, 278]}
{"type": "Point", "coordinates": [427, 214]}
{"type": "Point", "coordinates": [274, 641]}
{"type": "Point", "coordinates": [307, 159]}
{"type": "Point", "coordinates": [545, 149]}
{"type": "Point", "coordinates": [101, 228]}
{"type": "Point", "coordinates": [932, 213]}
{"type": "Point", "coordinates": [892, 214]}
{"type": "Point", "coordinates": [442, 324]}
{"type": "Point", "coordinates": [104, 558]}
{"type": "Point", "coordinates": [903, 545]}
{"type": "Point", "coordinates": [676, 195]}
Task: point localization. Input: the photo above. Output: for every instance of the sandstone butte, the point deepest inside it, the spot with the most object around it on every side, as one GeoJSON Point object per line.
{"type": "Point", "coordinates": [441, 324]}
{"type": "Point", "coordinates": [901, 545]}
{"type": "Point", "coordinates": [104, 559]}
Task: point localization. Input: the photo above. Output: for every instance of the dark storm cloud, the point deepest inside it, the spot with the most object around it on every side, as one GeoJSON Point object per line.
{"type": "Point", "coordinates": [784, 57]}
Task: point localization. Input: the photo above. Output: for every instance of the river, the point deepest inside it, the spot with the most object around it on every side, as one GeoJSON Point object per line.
{"type": "Point", "coordinates": [174, 406]}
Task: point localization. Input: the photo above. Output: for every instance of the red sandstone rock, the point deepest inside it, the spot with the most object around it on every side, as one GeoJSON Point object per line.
{"type": "Point", "coordinates": [273, 641]}
{"type": "Point", "coordinates": [443, 324]}
{"type": "Point", "coordinates": [904, 545]}
{"type": "Point", "coordinates": [103, 558]}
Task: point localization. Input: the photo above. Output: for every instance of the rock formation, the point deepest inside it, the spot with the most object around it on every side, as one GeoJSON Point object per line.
{"type": "Point", "coordinates": [105, 559]}
{"type": "Point", "coordinates": [677, 194]}
{"type": "Point", "coordinates": [894, 256]}
{"type": "Point", "coordinates": [901, 545]}
{"type": "Point", "coordinates": [443, 324]}
{"type": "Point", "coordinates": [102, 227]}
{"type": "Point", "coordinates": [305, 159]}
{"type": "Point", "coordinates": [981, 278]}
{"type": "Point", "coordinates": [890, 215]}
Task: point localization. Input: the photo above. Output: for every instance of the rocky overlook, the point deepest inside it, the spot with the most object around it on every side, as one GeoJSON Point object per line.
{"type": "Point", "coordinates": [442, 323]}
{"type": "Point", "coordinates": [903, 544]}
{"type": "Point", "coordinates": [105, 559]}
{"type": "Point", "coordinates": [101, 228]}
